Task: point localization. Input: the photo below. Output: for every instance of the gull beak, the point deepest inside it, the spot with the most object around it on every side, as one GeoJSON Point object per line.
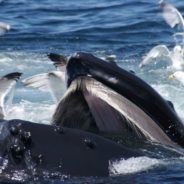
{"type": "Point", "coordinates": [171, 77]}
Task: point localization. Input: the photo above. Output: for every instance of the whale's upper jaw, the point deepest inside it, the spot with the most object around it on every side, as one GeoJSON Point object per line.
{"type": "Point", "coordinates": [75, 68]}
{"type": "Point", "coordinates": [131, 88]}
{"type": "Point", "coordinates": [83, 64]}
{"type": "Point", "coordinates": [58, 60]}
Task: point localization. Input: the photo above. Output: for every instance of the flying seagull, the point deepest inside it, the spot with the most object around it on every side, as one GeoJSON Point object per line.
{"type": "Point", "coordinates": [174, 57]}
{"type": "Point", "coordinates": [172, 16]}
{"type": "Point", "coordinates": [7, 86]}
{"type": "Point", "coordinates": [53, 81]}
{"type": "Point", "coordinates": [4, 27]}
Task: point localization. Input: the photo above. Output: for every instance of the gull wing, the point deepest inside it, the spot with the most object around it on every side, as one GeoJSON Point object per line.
{"type": "Point", "coordinates": [172, 16]}
{"type": "Point", "coordinates": [39, 81]}
{"type": "Point", "coordinates": [7, 86]}
{"type": "Point", "coordinates": [52, 82]}
{"type": "Point", "coordinates": [57, 84]}
{"type": "Point", "coordinates": [156, 52]}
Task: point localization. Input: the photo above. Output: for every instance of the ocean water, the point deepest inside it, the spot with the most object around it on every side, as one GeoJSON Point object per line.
{"type": "Point", "coordinates": [125, 28]}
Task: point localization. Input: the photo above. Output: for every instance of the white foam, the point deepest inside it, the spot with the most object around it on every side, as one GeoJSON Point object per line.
{"type": "Point", "coordinates": [23, 62]}
{"type": "Point", "coordinates": [173, 93]}
{"type": "Point", "coordinates": [133, 165]}
{"type": "Point", "coordinates": [19, 175]}
{"type": "Point", "coordinates": [31, 111]}
{"type": "Point", "coordinates": [3, 165]}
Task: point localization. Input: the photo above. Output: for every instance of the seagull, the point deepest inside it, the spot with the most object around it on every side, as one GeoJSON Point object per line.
{"type": "Point", "coordinates": [172, 16]}
{"type": "Point", "coordinates": [178, 75]}
{"type": "Point", "coordinates": [4, 27]}
{"type": "Point", "coordinates": [7, 87]}
{"type": "Point", "coordinates": [155, 53]}
{"type": "Point", "coordinates": [175, 56]}
{"type": "Point", "coordinates": [53, 81]}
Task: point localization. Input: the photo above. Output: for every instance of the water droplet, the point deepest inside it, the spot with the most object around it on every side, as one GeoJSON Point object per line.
{"type": "Point", "coordinates": [89, 143]}
{"type": "Point", "coordinates": [59, 129]}
{"type": "Point", "coordinates": [14, 130]}
{"type": "Point", "coordinates": [60, 164]}
{"type": "Point", "coordinates": [26, 138]}
{"type": "Point", "coordinates": [39, 159]}
{"type": "Point", "coordinates": [17, 152]}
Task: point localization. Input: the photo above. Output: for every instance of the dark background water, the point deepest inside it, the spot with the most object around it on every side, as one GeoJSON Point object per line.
{"type": "Point", "coordinates": [125, 28]}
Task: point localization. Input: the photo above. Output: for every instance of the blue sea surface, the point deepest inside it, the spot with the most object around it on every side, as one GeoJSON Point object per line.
{"type": "Point", "coordinates": [127, 29]}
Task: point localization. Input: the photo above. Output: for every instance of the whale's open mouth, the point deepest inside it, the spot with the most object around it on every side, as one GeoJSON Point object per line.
{"type": "Point", "coordinates": [105, 98]}
{"type": "Point", "coordinates": [91, 106]}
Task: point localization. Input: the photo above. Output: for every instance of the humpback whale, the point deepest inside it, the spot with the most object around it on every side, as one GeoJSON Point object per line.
{"type": "Point", "coordinates": [105, 99]}
{"type": "Point", "coordinates": [112, 99]}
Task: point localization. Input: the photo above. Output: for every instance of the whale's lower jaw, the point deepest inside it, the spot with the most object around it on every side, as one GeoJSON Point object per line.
{"type": "Point", "coordinates": [37, 149]}
{"type": "Point", "coordinates": [91, 106]}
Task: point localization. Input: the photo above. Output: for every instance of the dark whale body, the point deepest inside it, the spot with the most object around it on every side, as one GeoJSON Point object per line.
{"type": "Point", "coordinates": [130, 87]}
{"type": "Point", "coordinates": [29, 146]}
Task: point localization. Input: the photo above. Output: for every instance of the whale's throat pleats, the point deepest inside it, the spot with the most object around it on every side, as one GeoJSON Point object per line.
{"type": "Point", "coordinates": [73, 112]}
{"type": "Point", "coordinates": [80, 109]}
{"type": "Point", "coordinates": [91, 106]}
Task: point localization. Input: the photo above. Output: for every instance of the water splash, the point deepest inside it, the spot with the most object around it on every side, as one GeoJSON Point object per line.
{"type": "Point", "coordinates": [133, 165]}
{"type": "Point", "coordinates": [38, 112]}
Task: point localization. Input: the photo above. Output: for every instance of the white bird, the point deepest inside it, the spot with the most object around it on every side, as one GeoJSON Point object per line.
{"type": "Point", "coordinates": [175, 56]}
{"type": "Point", "coordinates": [53, 81]}
{"type": "Point", "coordinates": [159, 51]}
{"type": "Point", "coordinates": [7, 86]}
{"type": "Point", "coordinates": [4, 27]}
{"type": "Point", "coordinates": [178, 75]}
{"type": "Point", "coordinates": [175, 19]}
{"type": "Point", "coordinates": [172, 16]}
